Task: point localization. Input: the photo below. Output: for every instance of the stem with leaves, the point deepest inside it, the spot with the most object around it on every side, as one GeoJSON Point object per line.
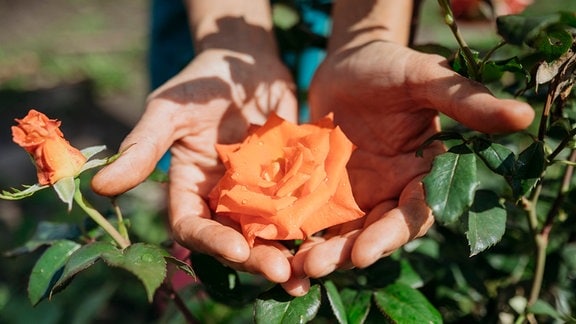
{"type": "Point", "coordinates": [121, 240]}
{"type": "Point", "coordinates": [121, 224]}
{"type": "Point", "coordinates": [541, 234]}
{"type": "Point", "coordinates": [470, 60]}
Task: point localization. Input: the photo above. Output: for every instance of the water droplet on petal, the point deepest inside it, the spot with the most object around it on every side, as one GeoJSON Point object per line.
{"type": "Point", "coordinates": [244, 201]}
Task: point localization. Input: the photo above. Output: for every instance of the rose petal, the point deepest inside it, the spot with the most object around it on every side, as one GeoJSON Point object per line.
{"type": "Point", "coordinates": [240, 200]}
{"type": "Point", "coordinates": [53, 155]}
{"type": "Point", "coordinates": [287, 181]}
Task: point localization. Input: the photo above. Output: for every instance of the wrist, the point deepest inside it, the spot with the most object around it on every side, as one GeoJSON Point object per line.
{"type": "Point", "coordinates": [238, 25]}
{"type": "Point", "coordinates": [358, 23]}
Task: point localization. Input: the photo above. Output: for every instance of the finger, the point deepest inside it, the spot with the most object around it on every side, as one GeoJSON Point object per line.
{"type": "Point", "coordinates": [268, 259]}
{"type": "Point", "coordinates": [395, 228]}
{"type": "Point", "coordinates": [324, 257]}
{"type": "Point", "coordinates": [464, 100]}
{"type": "Point", "coordinates": [140, 151]}
{"type": "Point", "coordinates": [299, 258]}
{"type": "Point", "coordinates": [190, 218]}
{"type": "Point", "coordinates": [296, 286]}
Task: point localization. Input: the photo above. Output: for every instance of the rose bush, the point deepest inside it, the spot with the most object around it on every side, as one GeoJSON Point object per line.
{"type": "Point", "coordinates": [286, 181]}
{"type": "Point", "coordinates": [53, 155]}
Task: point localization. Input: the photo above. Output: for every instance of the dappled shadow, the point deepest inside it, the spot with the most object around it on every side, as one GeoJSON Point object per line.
{"type": "Point", "coordinates": [186, 92]}
{"type": "Point", "coordinates": [241, 71]}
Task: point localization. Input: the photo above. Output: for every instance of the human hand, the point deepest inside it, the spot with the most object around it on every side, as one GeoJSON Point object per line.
{"type": "Point", "coordinates": [386, 98]}
{"type": "Point", "coordinates": [213, 100]}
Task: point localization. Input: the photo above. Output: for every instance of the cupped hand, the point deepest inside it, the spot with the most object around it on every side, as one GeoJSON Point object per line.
{"type": "Point", "coordinates": [386, 98]}
{"type": "Point", "coordinates": [213, 100]}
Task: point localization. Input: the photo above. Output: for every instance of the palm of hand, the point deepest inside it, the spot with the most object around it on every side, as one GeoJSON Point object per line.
{"type": "Point", "coordinates": [220, 110]}
{"type": "Point", "coordinates": [373, 104]}
{"type": "Point", "coordinates": [386, 98]}
{"type": "Point", "coordinates": [213, 100]}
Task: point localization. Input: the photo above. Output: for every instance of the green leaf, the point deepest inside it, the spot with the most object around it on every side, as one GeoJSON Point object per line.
{"type": "Point", "coordinates": [541, 307]}
{"type": "Point", "coordinates": [16, 194]}
{"type": "Point", "coordinates": [553, 43]}
{"type": "Point", "coordinates": [89, 152]}
{"type": "Point", "coordinates": [94, 163]}
{"type": "Point", "coordinates": [486, 221]}
{"type": "Point", "coordinates": [82, 259]}
{"type": "Point", "coordinates": [404, 304]}
{"type": "Point", "coordinates": [65, 188]}
{"type": "Point", "coordinates": [335, 302]}
{"type": "Point", "coordinates": [432, 48]}
{"type": "Point", "coordinates": [45, 234]}
{"type": "Point", "coordinates": [464, 66]}
{"type": "Point", "coordinates": [47, 269]}
{"type": "Point", "coordinates": [92, 150]}
{"type": "Point", "coordinates": [519, 29]}
{"type": "Point", "coordinates": [529, 167]}
{"type": "Point", "coordinates": [181, 265]}
{"type": "Point", "coordinates": [145, 261]}
{"type": "Point", "coordinates": [441, 136]}
{"type": "Point", "coordinates": [497, 157]}
{"type": "Point", "coordinates": [358, 304]}
{"type": "Point", "coordinates": [408, 275]}
{"type": "Point", "coordinates": [451, 183]}
{"type": "Point", "coordinates": [493, 70]}
{"type": "Point", "coordinates": [277, 307]}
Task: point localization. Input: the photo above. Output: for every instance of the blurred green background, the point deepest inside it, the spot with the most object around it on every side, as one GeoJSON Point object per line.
{"type": "Point", "coordinates": [84, 62]}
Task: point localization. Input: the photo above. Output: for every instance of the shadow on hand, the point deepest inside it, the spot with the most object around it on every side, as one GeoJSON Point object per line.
{"type": "Point", "coordinates": [246, 74]}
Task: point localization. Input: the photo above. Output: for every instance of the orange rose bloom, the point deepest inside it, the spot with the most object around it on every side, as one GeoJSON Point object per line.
{"type": "Point", "coordinates": [53, 156]}
{"type": "Point", "coordinates": [286, 181]}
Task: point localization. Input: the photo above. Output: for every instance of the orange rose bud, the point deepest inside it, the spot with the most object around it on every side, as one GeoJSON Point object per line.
{"type": "Point", "coordinates": [53, 155]}
{"type": "Point", "coordinates": [286, 181]}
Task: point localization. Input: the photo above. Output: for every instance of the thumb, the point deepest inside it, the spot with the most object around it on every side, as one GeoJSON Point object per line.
{"type": "Point", "coordinates": [140, 152]}
{"type": "Point", "coordinates": [467, 101]}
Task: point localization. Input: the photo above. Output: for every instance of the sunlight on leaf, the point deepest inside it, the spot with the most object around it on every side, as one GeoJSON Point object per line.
{"type": "Point", "coordinates": [358, 304]}
{"type": "Point", "coordinates": [92, 150]}
{"type": "Point", "coordinates": [404, 304]}
{"type": "Point", "coordinates": [93, 164]}
{"type": "Point", "coordinates": [335, 302]}
{"type": "Point", "coordinates": [277, 307]}
{"type": "Point", "coordinates": [451, 183]}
